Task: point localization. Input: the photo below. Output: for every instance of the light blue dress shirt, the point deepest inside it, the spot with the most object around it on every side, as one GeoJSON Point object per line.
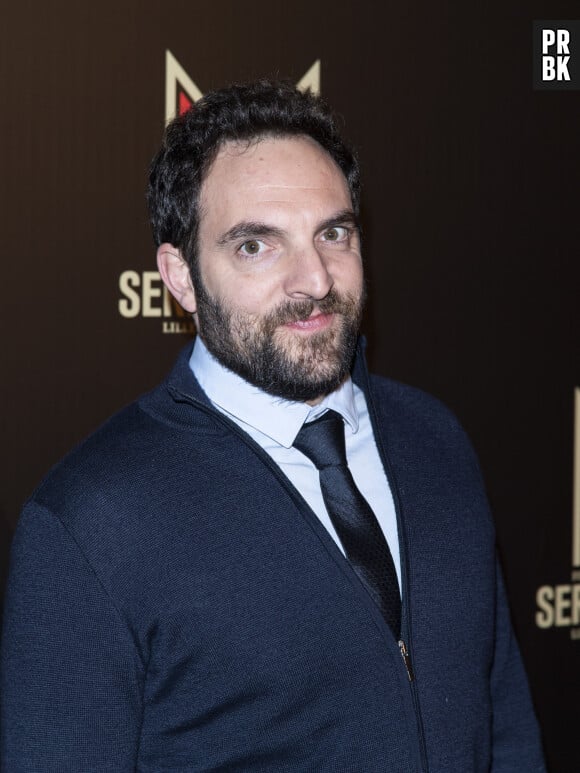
{"type": "Point", "coordinates": [274, 424]}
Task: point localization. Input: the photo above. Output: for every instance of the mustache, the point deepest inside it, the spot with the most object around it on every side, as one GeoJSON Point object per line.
{"type": "Point", "coordinates": [298, 311]}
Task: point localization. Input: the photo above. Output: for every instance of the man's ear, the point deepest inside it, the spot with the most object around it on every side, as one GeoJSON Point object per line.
{"type": "Point", "coordinates": [176, 277]}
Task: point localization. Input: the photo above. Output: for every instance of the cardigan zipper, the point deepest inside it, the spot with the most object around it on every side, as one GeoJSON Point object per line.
{"type": "Point", "coordinates": [406, 660]}
{"type": "Point", "coordinates": [405, 641]}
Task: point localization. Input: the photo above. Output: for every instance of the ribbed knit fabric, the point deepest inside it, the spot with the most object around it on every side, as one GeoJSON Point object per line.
{"type": "Point", "coordinates": [174, 605]}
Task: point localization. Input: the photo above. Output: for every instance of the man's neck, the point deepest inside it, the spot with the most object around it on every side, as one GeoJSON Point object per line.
{"type": "Point", "coordinates": [278, 418]}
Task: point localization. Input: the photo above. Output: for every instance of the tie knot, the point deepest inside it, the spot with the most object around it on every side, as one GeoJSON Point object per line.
{"type": "Point", "coordinates": [322, 441]}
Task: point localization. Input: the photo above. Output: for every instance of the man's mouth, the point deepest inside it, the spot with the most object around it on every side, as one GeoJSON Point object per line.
{"type": "Point", "coordinates": [316, 321]}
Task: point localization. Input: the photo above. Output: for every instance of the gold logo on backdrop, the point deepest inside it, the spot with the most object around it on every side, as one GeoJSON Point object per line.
{"type": "Point", "coordinates": [143, 294]}
{"type": "Point", "coordinates": [181, 92]}
{"type": "Point", "coordinates": [559, 605]}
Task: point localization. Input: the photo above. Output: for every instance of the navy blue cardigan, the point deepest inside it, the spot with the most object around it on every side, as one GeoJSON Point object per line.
{"type": "Point", "coordinates": [174, 605]}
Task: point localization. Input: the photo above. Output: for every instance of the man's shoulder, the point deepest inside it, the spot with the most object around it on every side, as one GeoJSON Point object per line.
{"type": "Point", "coordinates": [109, 452]}
{"type": "Point", "coordinates": [417, 428]}
{"type": "Point", "coordinates": [416, 419]}
{"type": "Point", "coordinates": [131, 438]}
{"type": "Point", "coordinates": [405, 401]}
{"type": "Point", "coordinates": [118, 463]}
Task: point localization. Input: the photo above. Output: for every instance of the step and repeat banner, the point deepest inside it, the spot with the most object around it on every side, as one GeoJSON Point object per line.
{"type": "Point", "coordinates": [467, 123]}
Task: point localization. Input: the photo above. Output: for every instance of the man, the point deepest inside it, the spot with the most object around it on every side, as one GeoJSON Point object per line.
{"type": "Point", "coordinates": [206, 584]}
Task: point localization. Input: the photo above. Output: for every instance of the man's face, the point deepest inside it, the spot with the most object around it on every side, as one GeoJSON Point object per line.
{"type": "Point", "coordinates": [279, 283]}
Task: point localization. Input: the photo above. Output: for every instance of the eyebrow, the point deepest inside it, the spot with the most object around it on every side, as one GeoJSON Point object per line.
{"type": "Point", "coordinates": [248, 229]}
{"type": "Point", "coordinates": [344, 217]}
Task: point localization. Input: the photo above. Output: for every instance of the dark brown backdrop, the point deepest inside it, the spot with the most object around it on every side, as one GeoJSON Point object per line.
{"type": "Point", "coordinates": [471, 220]}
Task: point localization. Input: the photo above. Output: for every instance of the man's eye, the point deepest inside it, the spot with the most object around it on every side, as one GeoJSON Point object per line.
{"type": "Point", "coordinates": [336, 234]}
{"type": "Point", "coordinates": [252, 247]}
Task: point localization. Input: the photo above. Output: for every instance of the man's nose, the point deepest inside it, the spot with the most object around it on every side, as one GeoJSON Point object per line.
{"type": "Point", "coordinates": [308, 275]}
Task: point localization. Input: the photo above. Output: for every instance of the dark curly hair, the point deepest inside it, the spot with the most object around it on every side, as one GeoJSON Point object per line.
{"type": "Point", "coordinates": [241, 112]}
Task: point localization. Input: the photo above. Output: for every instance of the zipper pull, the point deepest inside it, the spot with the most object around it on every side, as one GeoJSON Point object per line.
{"type": "Point", "coordinates": [406, 659]}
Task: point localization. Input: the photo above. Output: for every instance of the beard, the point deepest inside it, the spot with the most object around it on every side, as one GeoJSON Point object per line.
{"type": "Point", "coordinates": [293, 367]}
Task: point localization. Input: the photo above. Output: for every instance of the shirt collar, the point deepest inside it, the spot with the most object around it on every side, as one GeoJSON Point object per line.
{"type": "Point", "coordinates": [278, 419]}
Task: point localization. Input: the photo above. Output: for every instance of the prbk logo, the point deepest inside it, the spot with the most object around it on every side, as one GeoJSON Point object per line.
{"type": "Point", "coordinates": [557, 55]}
{"type": "Point", "coordinates": [143, 294]}
{"type": "Point", "coordinates": [558, 606]}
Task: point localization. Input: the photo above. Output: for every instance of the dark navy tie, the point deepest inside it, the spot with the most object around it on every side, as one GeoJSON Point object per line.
{"type": "Point", "coordinates": [322, 441]}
